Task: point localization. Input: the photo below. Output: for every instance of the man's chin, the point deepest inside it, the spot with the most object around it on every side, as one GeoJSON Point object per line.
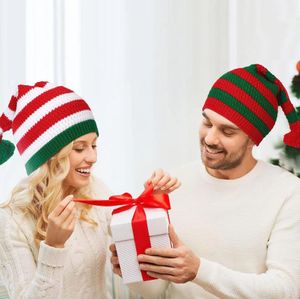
{"type": "Point", "coordinates": [215, 164]}
{"type": "Point", "coordinates": [208, 163]}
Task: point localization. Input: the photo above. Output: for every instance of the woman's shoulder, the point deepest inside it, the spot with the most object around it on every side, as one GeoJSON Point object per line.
{"type": "Point", "coordinates": [100, 189]}
{"type": "Point", "coordinates": [9, 214]}
{"type": "Point", "coordinates": [12, 219]}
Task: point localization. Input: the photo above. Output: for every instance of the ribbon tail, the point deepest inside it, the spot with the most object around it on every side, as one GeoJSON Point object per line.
{"type": "Point", "coordinates": [141, 235]}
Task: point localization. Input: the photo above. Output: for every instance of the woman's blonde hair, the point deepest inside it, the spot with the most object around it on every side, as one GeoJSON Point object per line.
{"type": "Point", "coordinates": [41, 192]}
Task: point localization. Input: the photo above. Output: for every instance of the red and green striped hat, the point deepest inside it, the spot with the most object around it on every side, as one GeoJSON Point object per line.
{"type": "Point", "coordinates": [249, 97]}
{"type": "Point", "coordinates": [43, 118]}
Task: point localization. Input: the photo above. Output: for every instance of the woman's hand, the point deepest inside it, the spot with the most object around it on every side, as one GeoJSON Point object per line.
{"type": "Point", "coordinates": [163, 182]}
{"type": "Point", "coordinates": [115, 260]}
{"type": "Point", "coordinates": [61, 223]}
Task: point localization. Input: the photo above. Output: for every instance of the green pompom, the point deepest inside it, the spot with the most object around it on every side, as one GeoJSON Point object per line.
{"type": "Point", "coordinates": [6, 150]}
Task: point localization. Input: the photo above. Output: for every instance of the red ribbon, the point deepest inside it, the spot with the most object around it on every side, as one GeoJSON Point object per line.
{"type": "Point", "coordinates": [139, 221]}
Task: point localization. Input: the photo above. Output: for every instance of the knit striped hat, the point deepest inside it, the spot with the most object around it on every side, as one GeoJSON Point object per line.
{"type": "Point", "coordinates": [44, 118]}
{"type": "Point", "coordinates": [249, 97]}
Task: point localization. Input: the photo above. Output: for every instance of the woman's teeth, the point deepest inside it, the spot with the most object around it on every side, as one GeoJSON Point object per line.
{"type": "Point", "coordinates": [84, 170]}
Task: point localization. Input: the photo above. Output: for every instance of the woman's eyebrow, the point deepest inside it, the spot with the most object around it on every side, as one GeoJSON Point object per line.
{"type": "Point", "coordinates": [83, 141]}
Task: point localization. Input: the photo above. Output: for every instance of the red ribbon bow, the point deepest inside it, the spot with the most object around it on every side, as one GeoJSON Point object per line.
{"type": "Point", "coordinates": [139, 221]}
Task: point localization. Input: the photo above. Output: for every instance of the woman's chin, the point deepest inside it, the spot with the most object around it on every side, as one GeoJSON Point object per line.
{"type": "Point", "coordinates": [78, 184]}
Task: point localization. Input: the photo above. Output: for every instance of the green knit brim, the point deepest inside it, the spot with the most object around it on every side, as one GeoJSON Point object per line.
{"type": "Point", "coordinates": [6, 150]}
{"type": "Point", "coordinates": [60, 141]}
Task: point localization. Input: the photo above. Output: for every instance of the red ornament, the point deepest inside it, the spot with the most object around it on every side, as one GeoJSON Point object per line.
{"type": "Point", "coordinates": [298, 66]}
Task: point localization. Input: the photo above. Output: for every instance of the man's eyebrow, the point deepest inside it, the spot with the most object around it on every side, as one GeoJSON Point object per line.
{"type": "Point", "coordinates": [230, 127]}
{"type": "Point", "coordinates": [204, 115]}
{"type": "Point", "coordinates": [222, 126]}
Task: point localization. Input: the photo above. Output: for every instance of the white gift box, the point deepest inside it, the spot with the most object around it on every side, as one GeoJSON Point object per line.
{"type": "Point", "coordinates": [121, 228]}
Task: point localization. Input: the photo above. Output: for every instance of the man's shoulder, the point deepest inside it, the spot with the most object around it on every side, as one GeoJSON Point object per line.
{"type": "Point", "coordinates": [279, 179]}
{"type": "Point", "coordinates": [276, 172]}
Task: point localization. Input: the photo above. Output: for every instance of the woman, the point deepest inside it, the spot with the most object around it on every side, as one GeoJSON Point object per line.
{"type": "Point", "coordinates": [51, 247]}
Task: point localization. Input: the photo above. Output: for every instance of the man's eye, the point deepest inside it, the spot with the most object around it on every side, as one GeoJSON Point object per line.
{"type": "Point", "coordinates": [206, 124]}
{"type": "Point", "coordinates": [228, 132]}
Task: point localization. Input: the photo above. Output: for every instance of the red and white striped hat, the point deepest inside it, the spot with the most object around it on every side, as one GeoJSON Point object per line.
{"type": "Point", "coordinates": [44, 118]}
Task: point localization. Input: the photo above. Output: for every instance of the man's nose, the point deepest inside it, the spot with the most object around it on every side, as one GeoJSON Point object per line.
{"type": "Point", "coordinates": [212, 137]}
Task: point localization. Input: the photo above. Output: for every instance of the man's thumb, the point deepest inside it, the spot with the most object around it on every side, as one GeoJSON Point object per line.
{"type": "Point", "coordinates": [173, 237]}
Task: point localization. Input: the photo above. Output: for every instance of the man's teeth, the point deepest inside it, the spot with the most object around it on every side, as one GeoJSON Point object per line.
{"type": "Point", "coordinates": [82, 170]}
{"type": "Point", "coordinates": [213, 151]}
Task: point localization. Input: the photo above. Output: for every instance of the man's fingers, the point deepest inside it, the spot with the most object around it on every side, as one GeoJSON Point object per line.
{"type": "Point", "coordinates": [159, 252]}
{"type": "Point", "coordinates": [163, 269]}
{"type": "Point", "coordinates": [163, 182]}
{"type": "Point", "coordinates": [163, 276]}
{"type": "Point", "coordinates": [147, 260]}
{"type": "Point", "coordinates": [173, 237]}
{"type": "Point", "coordinates": [172, 185]}
{"type": "Point", "coordinates": [156, 177]}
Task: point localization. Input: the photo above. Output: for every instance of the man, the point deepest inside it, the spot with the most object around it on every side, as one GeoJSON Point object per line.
{"type": "Point", "coordinates": [238, 218]}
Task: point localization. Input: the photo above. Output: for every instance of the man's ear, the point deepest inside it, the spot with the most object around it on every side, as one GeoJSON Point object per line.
{"type": "Point", "coordinates": [250, 143]}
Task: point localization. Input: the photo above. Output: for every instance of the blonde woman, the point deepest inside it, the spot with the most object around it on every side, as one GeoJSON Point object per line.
{"type": "Point", "coordinates": [51, 247]}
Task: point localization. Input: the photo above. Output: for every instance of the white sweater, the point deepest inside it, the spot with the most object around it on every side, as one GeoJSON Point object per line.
{"type": "Point", "coordinates": [246, 232]}
{"type": "Point", "coordinates": [77, 271]}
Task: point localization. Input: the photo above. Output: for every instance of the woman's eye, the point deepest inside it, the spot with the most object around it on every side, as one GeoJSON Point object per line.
{"type": "Point", "coordinates": [94, 146]}
{"type": "Point", "coordinates": [78, 150]}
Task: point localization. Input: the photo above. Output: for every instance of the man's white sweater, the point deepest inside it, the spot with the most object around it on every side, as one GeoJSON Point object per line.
{"type": "Point", "coordinates": [246, 232]}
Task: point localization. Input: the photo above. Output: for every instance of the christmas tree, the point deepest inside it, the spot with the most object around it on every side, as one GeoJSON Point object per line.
{"type": "Point", "coordinates": [290, 159]}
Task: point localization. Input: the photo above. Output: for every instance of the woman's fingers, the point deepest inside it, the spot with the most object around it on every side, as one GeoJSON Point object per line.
{"type": "Point", "coordinates": [69, 209]}
{"type": "Point", "coordinates": [70, 221]}
{"type": "Point", "coordinates": [62, 205]}
{"type": "Point", "coordinates": [61, 223]}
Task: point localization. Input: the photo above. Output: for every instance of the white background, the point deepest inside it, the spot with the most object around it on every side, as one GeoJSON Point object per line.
{"type": "Point", "coordinates": [145, 67]}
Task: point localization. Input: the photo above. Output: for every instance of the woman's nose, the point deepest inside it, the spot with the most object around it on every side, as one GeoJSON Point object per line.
{"type": "Point", "coordinates": [91, 155]}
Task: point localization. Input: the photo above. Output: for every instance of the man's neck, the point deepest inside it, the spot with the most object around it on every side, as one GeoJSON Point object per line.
{"type": "Point", "coordinates": [230, 174]}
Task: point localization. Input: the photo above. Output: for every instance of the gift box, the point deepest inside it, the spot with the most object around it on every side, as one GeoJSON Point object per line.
{"type": "Point", "coordinates": [122, 228]}
{"type": "Point", "coordinates": [137, 224]}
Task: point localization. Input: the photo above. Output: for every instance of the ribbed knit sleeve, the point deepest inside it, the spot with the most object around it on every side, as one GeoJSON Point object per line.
{"type": "Point", "coordinates": [23, 277]}
{"type": "Point", "coordinates": [282, 278]}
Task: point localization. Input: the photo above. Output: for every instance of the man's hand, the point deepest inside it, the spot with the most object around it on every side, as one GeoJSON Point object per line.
{"type": "Point", "coordinates": [163, 182]}
{"type": "Point", "coordinates": [115, 260]}
{"type": "Point", "coordinates": [178, 264]}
